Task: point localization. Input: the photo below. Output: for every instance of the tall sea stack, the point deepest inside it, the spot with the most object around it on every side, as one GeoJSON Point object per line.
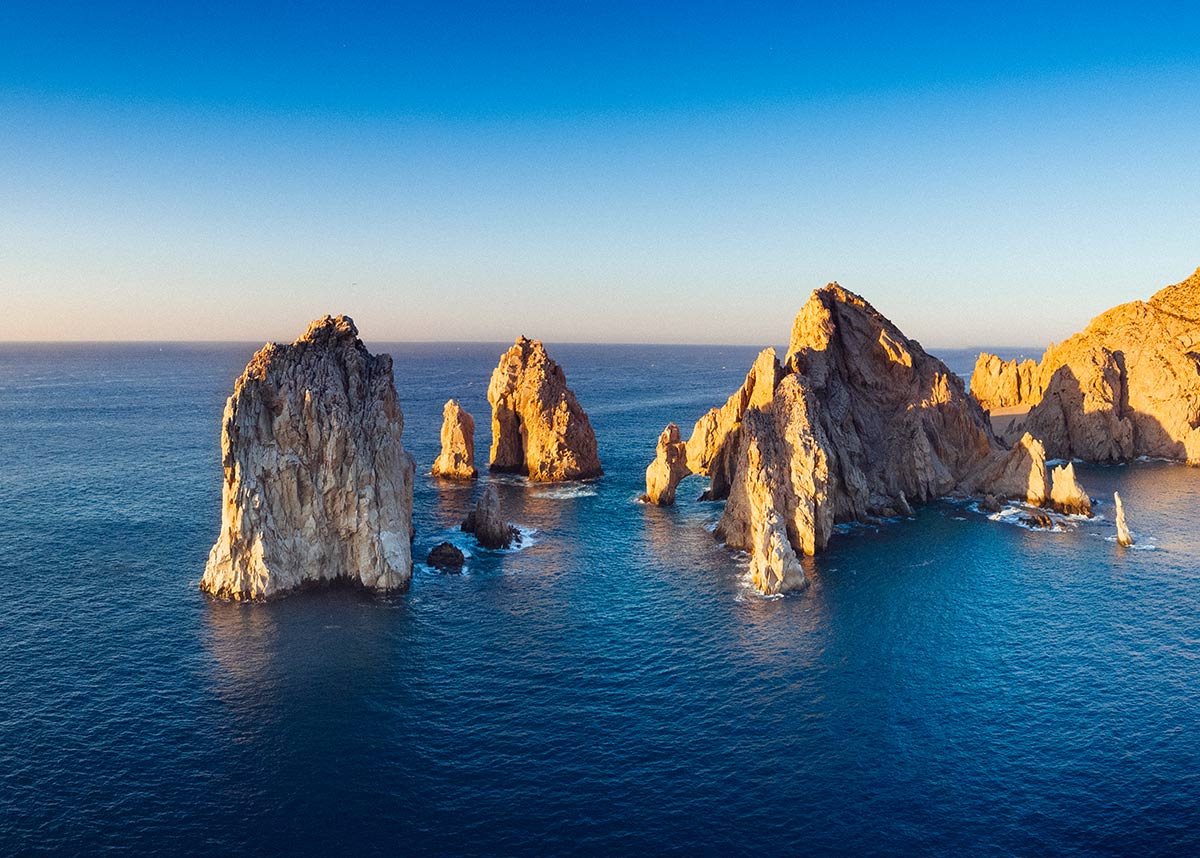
{"type": "Point", "coordinates": [318, 486]}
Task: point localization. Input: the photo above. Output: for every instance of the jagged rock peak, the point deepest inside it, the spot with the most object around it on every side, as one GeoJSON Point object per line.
{"type": "Point", "coordinates": [1066, 495]}
{"type": "Point", "coordinates": [318, 486]}
{"type": "Point", "coordinates": [667, 469]}
{"type": "Point", "coordinates": [539, 428]}
{"type": "Point", "coordinates": [711, 434]}
{"type": "Point", "coordinates": [1021, 474]}
{"type": "Point", "coordinates": [457, 459]}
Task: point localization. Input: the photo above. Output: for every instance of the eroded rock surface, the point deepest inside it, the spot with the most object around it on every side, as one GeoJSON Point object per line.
{"type": "Point", "coordinates": [1066, 495]}
{"type": "Point", "coordinates": [667, 469]}
{"type": "Point", "coordinates": [715, 435]}
{"type": "Point", "coordinates": [457, 459]}
{"type": "Point", "coordinates": [1128, 385]}
{"type": "Point", "coordinates": [538, 427]}
{"type": "Point", "coordinates": [774, 566]}
{"type": "Point", "coordinates": [318, 486]}
{"type": "Point", "coordinates": [997, 383]}
{"type": "Point", "coordinates": [486, 523]}
{"type": "Point", "coordinates": [1021, 474]}
{"type": "Point", "coordinates": [1124, 537]}
{"type": "Point", "coordinates": [446, 556]}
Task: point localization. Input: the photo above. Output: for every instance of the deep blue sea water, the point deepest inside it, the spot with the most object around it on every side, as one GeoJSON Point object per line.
{"type": "Point", "coordinates": [949, 685]}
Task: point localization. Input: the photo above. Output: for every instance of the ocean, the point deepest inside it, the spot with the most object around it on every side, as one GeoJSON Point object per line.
{"type": "Point", "coordinates": [949, 685]}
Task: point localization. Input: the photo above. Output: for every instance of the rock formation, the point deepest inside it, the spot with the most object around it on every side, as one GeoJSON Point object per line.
{"type": "Point", "coordinates": [1128, 385]}
{"type": "Point", "coordinates": [457, 459]}
{"type": "Point", "coordinates": [1066, 495]}
{"type": "Point", "coordinates": [1021, 475]}
{"type": "Point", "coordinates": [999, 383]}
{"type": "Point", "coordinates": [538, 426]}
{"type": "Point", "coordinates": [667, 469]}
{"type": "Point", "coordinates": [317, 484]}
{"type": "Point", "coordinates": [1124, 537]}
{"type": "Point", "coordinates": [714, 437]}
{"type": "Point", "coordinates": [861, 422]}
{"type": "Point", "coordinates": [774, 567]}
{"type": "Point", "coordinates": [446, 556]}
{"type": "Point", "coordinates": [485, 522]}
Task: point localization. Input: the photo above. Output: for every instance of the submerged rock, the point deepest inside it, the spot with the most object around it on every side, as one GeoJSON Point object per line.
{"type": "Point", "coordinates": [317, 486]}
{"type": "Point", "coordinates": [457, 459]}
{"type": "Point", "coordinates": [1128, 385]}
{"type": "Point", "coordinates": [538, 427]}
{"type": "Point", "coordinates": [1038, 521]}
{"type": "Point", "coordinates": [1066, 495]}
{"type": "Point", "coordinates": [1124, 537]}
{"type": "Point", "coordinates": [667, 469]}
{"type": "Point", "coordinates": [446, 556]}
{"type": "Point", "coordinates": [485, 522]}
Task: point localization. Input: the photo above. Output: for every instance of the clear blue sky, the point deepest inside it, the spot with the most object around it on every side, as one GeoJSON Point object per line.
{"type": "Point", "coordinates": [984, 174]}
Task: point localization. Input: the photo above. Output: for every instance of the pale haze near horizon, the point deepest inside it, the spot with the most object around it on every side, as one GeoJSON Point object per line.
{"type": "Point", "coordinates": [997, 209]}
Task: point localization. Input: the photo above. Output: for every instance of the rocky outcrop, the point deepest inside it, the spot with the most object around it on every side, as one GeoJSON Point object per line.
{"type": "Point", "coordinates": [538, 427]}
{"type": "Point", "coordinates": [774, 567]}
{"type": "Point", "coordinates": [862, 422]}
{"type": "Point", "coordinates": [1124, 537]}
{"type": "Point", "coordinates": [457, 459]}
{"type": "Point", "coordinates": [486, 523]}
{"type": "Point", "coordinates": [1079, 415]}
{"type": "Point", "coordinates": [997, 383]}
{"type": "Point", "coordinates": [714, 437]}
{"type": "Point", "coordinates": [318, 486]}
{"type": "Point", "coordinates": [1128, 385]}
{"type": "Point", "coordinates": [1020, 475]}
{"type": "Point", "coordinates": [1066, 495]}
{"type": "Point", "coordinates": [667, 469]}
{"type": "Point", "coordinates": [446, 556]}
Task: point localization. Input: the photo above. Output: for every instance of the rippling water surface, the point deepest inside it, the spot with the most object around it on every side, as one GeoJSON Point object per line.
{"type": "Point", "coordinates": [949, 685]}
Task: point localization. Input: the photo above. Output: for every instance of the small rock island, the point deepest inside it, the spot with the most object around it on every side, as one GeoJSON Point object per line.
{"type": "Point", "coordinates": [539, 430]}
{"type": "Point", "coordinates": [457, 459]}
{"type": "Point", "coordinates": [318, 486]}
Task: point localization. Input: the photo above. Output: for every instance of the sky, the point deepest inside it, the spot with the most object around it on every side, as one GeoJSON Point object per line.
{"type": "Point", "coordinates": [984, 174]}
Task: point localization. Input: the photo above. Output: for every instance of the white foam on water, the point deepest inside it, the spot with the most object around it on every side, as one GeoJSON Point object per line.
{"type": "Point", "coordinates": [566, 492]}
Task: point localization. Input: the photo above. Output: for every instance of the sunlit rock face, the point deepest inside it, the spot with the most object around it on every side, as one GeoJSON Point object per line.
{"type": "Point", "coordinates": [1124, 537]}
{"type": "Point", "coordinates": [1021, 474]}
{"type": "Point", "coordinates": [538, 426]}
{"type": "Point", "coordinates": [715, 435]}
{"type": "Point", "coordinates": [999, 383]}
{"type": "Point", "coordinates": [457, 459]}
{"type": "Point", "coordinates": [861, 422]}
{"type": "Point", "coordinates": [318, 486]}
{"type": "Point", "coordinates": [1066, 495]}
{"type": "Point", "coordinates": [1128, 385]}
{"type": "Point", "coordinates": [667, 469]}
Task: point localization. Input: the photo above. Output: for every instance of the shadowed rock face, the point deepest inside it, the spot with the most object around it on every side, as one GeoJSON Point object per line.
{"type": "Point", "coordinates": [486, 523]}
{"type": "Point", "coordinates": [667, 469]}
{"type": "Point", "coordinates": [317, 484]}
{"type": "Point", "coordinates": [538, 426]}
{"type": "Point", "coordinates": [1128, 385]}
{"type": "Point", "coordinates": [457, 459]}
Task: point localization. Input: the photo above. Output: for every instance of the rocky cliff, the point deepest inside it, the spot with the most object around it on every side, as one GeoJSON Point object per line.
{"type": "Point", "coordinates": [317, 486]}
{"type": "Point", "coordinates": [457, 459]}
{"type": "Point", "coordinates": [1128, 385]}
{"type": "Point", "coordinates": [859, 424]}
{"type": "Point", "coordinates": [538, 426]}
